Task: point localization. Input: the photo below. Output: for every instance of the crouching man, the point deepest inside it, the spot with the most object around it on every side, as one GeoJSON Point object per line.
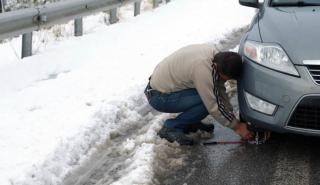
{"type": "Point", "coordinates": [191, 81]}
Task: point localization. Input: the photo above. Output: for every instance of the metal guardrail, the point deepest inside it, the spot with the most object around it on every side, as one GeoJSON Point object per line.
{"type": "Point", "coordinates": [33, 19]}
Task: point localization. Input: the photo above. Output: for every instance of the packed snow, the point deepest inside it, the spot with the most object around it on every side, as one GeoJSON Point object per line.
{"type": "Point", "coordinates": [80, 95]}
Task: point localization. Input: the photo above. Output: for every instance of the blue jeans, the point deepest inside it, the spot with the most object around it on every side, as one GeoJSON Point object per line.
{"type": "Point", "coordinates": [188, 102]}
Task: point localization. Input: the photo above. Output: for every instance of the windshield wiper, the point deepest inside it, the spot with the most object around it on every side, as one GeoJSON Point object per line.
{"type": "Point", "coordinates": [298, 3]}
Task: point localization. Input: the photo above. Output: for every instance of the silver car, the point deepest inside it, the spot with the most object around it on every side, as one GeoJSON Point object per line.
{"type": "Point", "coordinates": [280, 86]}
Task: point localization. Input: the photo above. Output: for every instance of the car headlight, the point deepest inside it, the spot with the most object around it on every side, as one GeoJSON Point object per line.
{"type": "Point", "coordinates": [269, 55]}
{"type": "Point", "coordinates": [260, 105]}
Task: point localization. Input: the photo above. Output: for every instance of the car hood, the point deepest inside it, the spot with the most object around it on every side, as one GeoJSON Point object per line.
{"type": "Point", "coordinates": [296, 29]}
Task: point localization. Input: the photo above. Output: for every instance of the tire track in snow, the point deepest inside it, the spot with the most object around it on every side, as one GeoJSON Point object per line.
{"type": "Point", "coordinates": [132, 152]}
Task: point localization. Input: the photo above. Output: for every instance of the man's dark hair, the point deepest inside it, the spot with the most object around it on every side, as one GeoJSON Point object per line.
{"type": "Point", "coordinates": [229, 63]}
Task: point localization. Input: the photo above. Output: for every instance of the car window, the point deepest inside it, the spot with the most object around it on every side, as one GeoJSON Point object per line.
{"type": "Point", "coordinates": [295, 3]}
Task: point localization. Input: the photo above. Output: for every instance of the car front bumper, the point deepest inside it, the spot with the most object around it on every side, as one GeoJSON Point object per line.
{"type": "Point", "coordinates": [286, 92]}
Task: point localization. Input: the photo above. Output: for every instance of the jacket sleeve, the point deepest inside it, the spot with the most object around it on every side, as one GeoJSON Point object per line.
{"type": "Point", "coordinates": [224, 106]}
{"type": "Point", "coordinates": [203, 82]}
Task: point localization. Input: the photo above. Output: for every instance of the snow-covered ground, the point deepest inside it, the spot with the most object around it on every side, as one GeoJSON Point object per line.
{"type": "Point", "coordinates": [78, 95]}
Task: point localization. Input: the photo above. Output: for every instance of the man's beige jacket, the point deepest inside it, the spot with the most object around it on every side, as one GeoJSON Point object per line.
{"type": "Point", "coordinates": [192, 67]}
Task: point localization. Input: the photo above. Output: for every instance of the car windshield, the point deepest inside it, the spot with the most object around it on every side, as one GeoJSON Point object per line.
{"type": "Point", "coordinates": [295, 2]}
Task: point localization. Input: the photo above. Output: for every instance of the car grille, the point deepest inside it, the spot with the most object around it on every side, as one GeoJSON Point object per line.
{"type": "Point", "coordinates": [315, 72]}
{"type": "Point", "coordinates": [307, 114]}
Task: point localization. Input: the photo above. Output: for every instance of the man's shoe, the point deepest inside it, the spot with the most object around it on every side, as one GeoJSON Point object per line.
{"type": "Point", "coordinates": [194, 127]}
{"type": "Point", "coordinates": [172, 135]}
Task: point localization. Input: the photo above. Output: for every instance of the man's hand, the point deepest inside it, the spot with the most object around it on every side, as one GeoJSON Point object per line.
{"type": "Point", "coordinates": [242, 129]}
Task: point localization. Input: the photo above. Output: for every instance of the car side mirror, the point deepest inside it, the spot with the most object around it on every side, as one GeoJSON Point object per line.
{"type": "Point", "coordinates": [250, 3]}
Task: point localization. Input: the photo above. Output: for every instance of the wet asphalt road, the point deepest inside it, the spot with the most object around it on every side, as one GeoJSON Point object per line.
{"type": "Point", "coordinates": [285, 159]}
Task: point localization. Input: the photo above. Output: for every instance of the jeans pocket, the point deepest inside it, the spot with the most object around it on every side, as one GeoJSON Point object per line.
{"type": "Point", "coordinates": [157, 103]}
{"type": "Point", "coordinates": [173, 98]}
{"type": "Point", "coordinates": [168, 103]}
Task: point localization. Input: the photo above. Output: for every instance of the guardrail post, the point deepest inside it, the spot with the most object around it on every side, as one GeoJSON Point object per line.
{"type": "Point", "coordinates": [137, 7]}
{"type": "Point", "coordinates": [113, 16]}
{"type": "Point", "coordinates": [155, 3]}
{"type": "Point", "coordinates": [26, 45]}
{"type": "Point", "coordinates": [78, 27]}
{"type": "Point", "coordinates": [2, 4]}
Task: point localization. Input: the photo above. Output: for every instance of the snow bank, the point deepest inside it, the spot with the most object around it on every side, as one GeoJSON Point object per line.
{"type": "Point", "coordinates": [78, 95]}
